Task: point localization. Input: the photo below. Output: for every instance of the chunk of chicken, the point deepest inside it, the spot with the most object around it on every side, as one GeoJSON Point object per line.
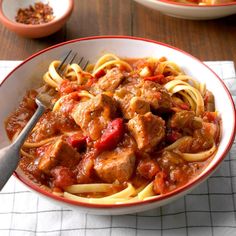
{"type": "Point", "coordinates": [51, 124]}
{"type": "Point", "coordinates": [60, 153]}
{"type": "Point", "coordinates": [139, 106]}
{"type": "Point", "coordinates": [169, 160]}
{"type": "Point", "coordinates": [142, 94]}
{"type": "Point", "coordinates": [109, 82]}
{"type": "Point", "coordinates": [156, 95]}
{"type": "Point", "coordinates": [148, 130]}
{"type": "Point", "coordinates": [94, 115]}
{"type": "Point", "coordinates": [185, 120]}
{"type": "Point", "coordinates": [115, 165]}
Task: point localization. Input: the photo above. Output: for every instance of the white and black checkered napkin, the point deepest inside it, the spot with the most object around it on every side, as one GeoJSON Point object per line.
{"type": "Point", "coordinates": [208, 210]}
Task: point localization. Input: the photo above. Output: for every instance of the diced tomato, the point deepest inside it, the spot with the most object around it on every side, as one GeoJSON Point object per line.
{"type": "Point", "coordinates": [57, 190]}
{"type": "Point", "coordinates": [159, 183]}
{"type": "Point", "coordinates": [62, 177]}
{"type": "Point", "coordinates": [178, 176]}
{"type": "Point", "coordinates": [85, 169]}
{"type": "Point", "coordinates": [157, 78]}
{"type": "Point", "coordinates": [111, 136]}
{"type": "Point", "coordinates": [172, 136]}
{"type": "Point", "coordinates": [68, 102]}
{"type": "Point", "coordinates": [67, 87]}
{"type": "Point", "coordinates": [211, 129]}
{"type": "Point", "coordinates": [77, 140]}
{"type": "Point", "coordinates": [90, 82]}
{"type": "Point", "coordinates": [99, 74]}
{"type": "Point", "coordinates": [184, 106]}
{"type": "Point", "coordinates": [148, 168]}
{"type": "Point", "coordinates": [158, 95]}
{"type": "Point", "coordinates": [211, 116]}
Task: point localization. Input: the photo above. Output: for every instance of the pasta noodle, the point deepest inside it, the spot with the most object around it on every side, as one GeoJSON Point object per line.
{"type": "Point", "coordinates": [199, 156]}
{"type": "Point", "coordinates": [88, 188]}
{"type": "Point", "coordinates": [146, 192]}
{"type": "Point", "coordinates": [190, 93]}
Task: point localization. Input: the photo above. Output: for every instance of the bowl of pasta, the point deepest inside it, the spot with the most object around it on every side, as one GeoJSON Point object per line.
{"type": "Point", "coordinates": [193, 9]}
{"type": "Point", "coordinates": [128, 131]}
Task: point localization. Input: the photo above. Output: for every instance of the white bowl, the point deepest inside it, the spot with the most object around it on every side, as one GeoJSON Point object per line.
{"type": "Point", "coordinates": [191, 11]}
{"type": "Point", "coordinates": [29, 74]}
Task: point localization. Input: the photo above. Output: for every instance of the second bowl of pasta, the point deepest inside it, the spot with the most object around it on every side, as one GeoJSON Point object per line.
{"type": "Point", "coordinates": [193, 10]}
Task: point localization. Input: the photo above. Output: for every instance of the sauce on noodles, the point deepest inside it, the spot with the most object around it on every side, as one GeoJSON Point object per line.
{"type": "Point", "coordinates": [122, 130]}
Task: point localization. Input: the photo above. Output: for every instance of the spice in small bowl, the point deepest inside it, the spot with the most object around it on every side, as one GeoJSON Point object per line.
{"type": "Point", "coordinates": [39, 13]}
{"type": "Point", "coordinates": [35, 18]}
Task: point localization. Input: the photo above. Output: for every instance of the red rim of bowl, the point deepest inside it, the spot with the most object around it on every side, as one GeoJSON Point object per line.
{"type": "Point", "coordinates": [177, 191]}
{"type": "Point", "coordinates": [196, 5]}
{"type": "Point", "coordinates": [7, 21]}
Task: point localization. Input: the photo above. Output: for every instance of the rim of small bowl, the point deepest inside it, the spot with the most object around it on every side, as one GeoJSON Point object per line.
{"type": "Point", "coordinates": [189, 185]}
{"type": "Point", "coordinates": [169, 2]}
{"type": "Point", "coordinates": [66, 14]}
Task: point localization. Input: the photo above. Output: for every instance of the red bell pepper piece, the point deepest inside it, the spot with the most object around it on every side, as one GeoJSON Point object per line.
{"type": "Point", "coordinates": [90, 82]}
{"type": "Point", "coordinates": [100, 73]}
{"type": "Point", "coordinates": [77, 141]}
{"type": "Point", "coordinates": [111, 136]}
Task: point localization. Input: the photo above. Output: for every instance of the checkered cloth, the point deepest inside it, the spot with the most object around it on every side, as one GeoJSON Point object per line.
{"type": "Point", "coordinates": [209, 210]}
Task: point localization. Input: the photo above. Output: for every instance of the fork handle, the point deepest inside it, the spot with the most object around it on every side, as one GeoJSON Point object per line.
{"type": "Point", "coordinates": [10, 155]}
{"type": "Point", "coordinates": [19, 141]}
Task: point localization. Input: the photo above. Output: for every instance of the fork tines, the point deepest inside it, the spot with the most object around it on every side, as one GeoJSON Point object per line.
{"type": "Point", "coordinates": [69, 59]}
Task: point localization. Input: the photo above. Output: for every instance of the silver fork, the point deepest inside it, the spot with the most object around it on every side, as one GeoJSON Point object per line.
{"type": "Point", "coordinates": [10, 155]}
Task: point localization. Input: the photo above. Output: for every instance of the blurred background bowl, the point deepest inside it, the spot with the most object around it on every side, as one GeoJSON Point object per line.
{"type": "Point", "coordinates": [61, 10]}
{"type": "Point", "coordinates": [191, 11]}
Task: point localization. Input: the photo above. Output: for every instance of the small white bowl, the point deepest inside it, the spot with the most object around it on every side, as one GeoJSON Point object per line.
{"type": "Point", "coordinates": [29, 74]}
{"type": "Point", "coordinates": [191, 11]}
{"type": "Point", "coordinates": [61, 11]}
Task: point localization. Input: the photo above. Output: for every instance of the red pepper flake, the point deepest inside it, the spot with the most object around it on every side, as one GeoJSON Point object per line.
{"type": "Point", "coordinates": [37, 14]}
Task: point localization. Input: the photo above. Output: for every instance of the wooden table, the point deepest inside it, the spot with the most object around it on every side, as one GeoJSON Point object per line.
{"type": "Point", "coordinates": [207, 40]}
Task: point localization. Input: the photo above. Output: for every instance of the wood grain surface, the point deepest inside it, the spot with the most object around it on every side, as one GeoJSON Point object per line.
{"type": "Point", "coordinates": [207, 40]}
